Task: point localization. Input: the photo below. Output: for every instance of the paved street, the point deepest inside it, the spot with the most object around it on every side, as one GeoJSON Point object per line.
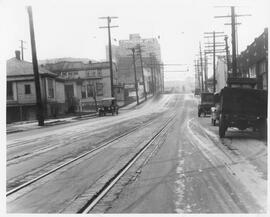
{"type": "Point", "coordinates": [187, 169]}
{"type": "Point", "coordinates": [135, 107]}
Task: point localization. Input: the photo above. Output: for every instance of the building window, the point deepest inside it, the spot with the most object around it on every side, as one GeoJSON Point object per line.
{"type": "Point", "coordinates": [252, 71]}
{"type": "Point", "coordinates": [262, 67]}
{"type": "Point", "coordinates": [90, 92]}
{"type": "Point", "coordinates": [99, 73]}
{"type": "Point", "coordinates": [50, 88]}
{"type": "Point", "coordinates": [69, 74]}
{"type": "Point", "coordinates": [264, 81]}
{"type": "Point", "coordinates": [9, 91]}
{"type": "Point", "coordinates": [83, 92]}
{"type": "Point", "coordinates": [27, 89]}
{"type": "Point", "coordinates": [99, 89]}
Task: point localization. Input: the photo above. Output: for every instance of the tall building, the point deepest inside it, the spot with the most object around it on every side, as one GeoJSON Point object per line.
{"type": "Point", "coordinates": [149, 46]}
{"type": "Point", "coordinates": [151, 54]}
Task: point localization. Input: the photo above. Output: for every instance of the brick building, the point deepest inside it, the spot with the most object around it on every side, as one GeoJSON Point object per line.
{"type": "Point", "coordinates": [150, 52]}
{"type": "Point", "coordinates": [253, 62]}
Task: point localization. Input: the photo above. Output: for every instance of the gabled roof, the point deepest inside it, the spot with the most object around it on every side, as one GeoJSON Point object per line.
{"type": "Point", "coordinates": [17, 67]}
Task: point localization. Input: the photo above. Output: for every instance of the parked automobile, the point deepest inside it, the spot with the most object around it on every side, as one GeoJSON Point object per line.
{"type": "Point", "coordinates": [243, 108]}
{"type": "Point", "coordinates": [207, 101]}
{"type": "Point", "coordinates": [107, 105]}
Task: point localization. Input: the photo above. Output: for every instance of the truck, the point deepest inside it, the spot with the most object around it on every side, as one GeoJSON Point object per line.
{"type": "Point", "coordinates": [243, 108]}
{"type": "Point", "coordinates": [207, 101]}
{"type": "Point", "coordinates": [197, 92]}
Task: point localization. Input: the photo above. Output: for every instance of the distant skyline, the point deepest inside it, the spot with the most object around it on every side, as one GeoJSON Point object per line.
{"type": "Point", "coordinates": [71, 28]}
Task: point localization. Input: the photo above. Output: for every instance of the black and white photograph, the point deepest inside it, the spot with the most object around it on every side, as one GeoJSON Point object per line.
{"type": "Point", "coordinates": [134, 107]}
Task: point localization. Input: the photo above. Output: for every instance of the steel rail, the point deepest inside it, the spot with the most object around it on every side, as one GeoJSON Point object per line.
{"type": "Point", "coordinates": [106, 188]}
{"type": "Point", "coordinates": [97, 149]}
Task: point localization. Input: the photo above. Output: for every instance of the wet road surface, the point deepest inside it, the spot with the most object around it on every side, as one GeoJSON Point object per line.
{"type": "Point", "coordinates": [190, 171]}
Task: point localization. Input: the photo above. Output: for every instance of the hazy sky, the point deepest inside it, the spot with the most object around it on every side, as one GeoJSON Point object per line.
{"type": "Point", "coordinates": [69, 28]}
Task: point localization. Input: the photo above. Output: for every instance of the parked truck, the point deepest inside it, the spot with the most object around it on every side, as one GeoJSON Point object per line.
{"type": "Point", "coordinates": [243, 108]}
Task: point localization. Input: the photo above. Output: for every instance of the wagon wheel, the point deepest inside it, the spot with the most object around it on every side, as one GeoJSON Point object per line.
{"type": "Point", "coordinates": [222, 126]}
{"type": "Point", "coordinates": [263, 129]}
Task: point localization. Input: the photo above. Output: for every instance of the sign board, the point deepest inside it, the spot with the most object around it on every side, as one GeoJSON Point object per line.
{"type": "Point", "coordinates": [129, 86]}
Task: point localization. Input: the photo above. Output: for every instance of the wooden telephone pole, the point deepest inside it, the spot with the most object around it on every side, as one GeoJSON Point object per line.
{"type": "Point", "coordinates": [197, 74]}
{"type": "Point", "coordinates": [135, 75]}
{"type": "Point", "coordinates": [201, 61]}
{"type": "Point", "coordinates": [233, 26]}
{"type": "Point", "coordinates": [205, 71]}
{"type": "Point", "coordinates": [110, 47]}
{"type": "Point", "coordinates": [212, 49]}
{"type": "Point", "coordinates": [40, 114]}
{"type": "Point", "coordinates": [140, 54]}
{"type": "Point", "coordinates": [227, 55]}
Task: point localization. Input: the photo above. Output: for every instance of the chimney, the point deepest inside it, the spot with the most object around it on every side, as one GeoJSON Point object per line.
{"type": "Point", "coordinates": [17, 54]}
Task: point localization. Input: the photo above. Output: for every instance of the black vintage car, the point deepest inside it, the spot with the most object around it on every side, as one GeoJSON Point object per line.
{"type": "Point", "coordinates": [207, 101]}
{"type": "Point", "coordinates": [107, 105]}
{"type": "Point", "coordinates": [243, 108]}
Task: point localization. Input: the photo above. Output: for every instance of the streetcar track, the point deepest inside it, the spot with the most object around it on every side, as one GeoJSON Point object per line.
{"type": "Point", "coordinates": [47, 166]}
{"type": "Point", "coordinates": [82, 134]}
{"type": "Point", "coordinates": [92, 202]}
{"type": "Point", "coordinates": [56, 144]}
{"type": "Point", "coordinates": [96, 149]}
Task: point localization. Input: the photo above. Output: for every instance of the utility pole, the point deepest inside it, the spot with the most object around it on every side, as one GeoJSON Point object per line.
{"type": "Point", "coordinates": [197, 72]}
{"type": "Point", "coordinates": [212, 49]}
{"type": "Point", "coordinates": [110, 47]}
{"type": "Point", "coordinates": [152, 74]}
{"type": "Point", "coordinates": [140, 54]}
{"type": "Point", "coordinates": [214, 62]}
{"type": "Point", "coordinates": [201, 75]}
{"type": "Point", "coordinates": [205, 71]}
{"type": "Point", "coordinates": [95, 94]}
{"type": "Point", "coordinates": [135, 74]}
{"type": "Point", "coordinates": [234, 66]}
{"type": "Point", "coordinates": [227, 55]}
{"type": "Point", "coordinates": [201, 60]}
{"type": "Point", "coordinates": [233, 24]}
{"type": "Point", "coordinates": [40, 115]}
{"type": "Point", "coordinates": [22, 48]}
